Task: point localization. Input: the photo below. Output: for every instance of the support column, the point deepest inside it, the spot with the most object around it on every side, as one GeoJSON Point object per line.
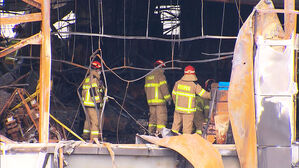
{"type": "Point", "coordinates": [45, 73]}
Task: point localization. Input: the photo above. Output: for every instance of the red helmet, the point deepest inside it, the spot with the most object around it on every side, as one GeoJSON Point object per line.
{"type": "Point", "coordinates": [189, 70]}
{"type": "Point", "coordinates": [159, 62]}
{"type": "Point", "coordinates": [96, 64]}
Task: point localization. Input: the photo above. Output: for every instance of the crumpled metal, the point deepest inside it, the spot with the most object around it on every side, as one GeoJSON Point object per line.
{"type": "Point", "coordinates": [198, 151]}
{"type": "Point", "coordinates": [241, 103]}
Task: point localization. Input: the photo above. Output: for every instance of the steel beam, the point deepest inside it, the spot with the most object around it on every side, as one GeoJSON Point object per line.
{"type": "Point", "coordinates": [20, 92]}
{"type": "Point", "coordinates": [45, 74]}
{"type": "Point", "coordinates": [289, 19]}
{"type": "Point", "coordinates": [35, 39]}
{"type": "Point", "coordinates": [32, 17]}
{"type": "Point", "coordinates": [33, 3]}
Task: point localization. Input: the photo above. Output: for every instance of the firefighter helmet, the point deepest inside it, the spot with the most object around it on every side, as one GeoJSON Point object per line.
{"type": "Point", "coordinates": [96, 65]}
{"type": "Point", "coordinates": [159, 62]}
{"type": "Point", "coordinates": [189, 70]}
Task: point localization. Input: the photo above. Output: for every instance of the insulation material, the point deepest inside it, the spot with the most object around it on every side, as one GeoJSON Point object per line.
{"type": "Point", "coordinates": [274, 90]}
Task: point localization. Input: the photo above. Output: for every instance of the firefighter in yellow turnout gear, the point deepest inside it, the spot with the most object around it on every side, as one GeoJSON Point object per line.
{"type": "Point", "coordinates": [201, 114]}
{"type": "Point", "coordinates": [202, 109]}
{"type": "Point", "coordinates": [92, 96]}
{"type": "Point", "coordinates": [157, 95]}
{"type": "Point", "coordinates": [183, 95]}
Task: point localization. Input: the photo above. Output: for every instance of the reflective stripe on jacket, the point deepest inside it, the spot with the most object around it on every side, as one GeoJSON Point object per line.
{"type": "Point", "coordinates": [184, 93]}
{"type": "Point", "coordinates": [92, 84]}
{"type": "Point", "coordinates": [156, 88]}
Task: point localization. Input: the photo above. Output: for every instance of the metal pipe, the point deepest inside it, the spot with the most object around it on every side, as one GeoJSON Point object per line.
{"type": "Point", "coordinates": [148, 38]}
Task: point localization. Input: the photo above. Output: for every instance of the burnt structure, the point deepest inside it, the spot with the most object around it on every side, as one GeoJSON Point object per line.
{"type": "Point", "coordinates": [129, 33]}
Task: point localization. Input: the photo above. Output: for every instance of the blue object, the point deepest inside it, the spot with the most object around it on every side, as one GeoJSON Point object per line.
{"type": "Point", "coordinates": [223, 85]}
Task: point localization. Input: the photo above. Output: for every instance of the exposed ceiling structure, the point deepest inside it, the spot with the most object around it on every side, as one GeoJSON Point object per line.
{"type": "Point", "coordinates": [277, 3]}
{"type": "Point", "coordinates": [130, 33]}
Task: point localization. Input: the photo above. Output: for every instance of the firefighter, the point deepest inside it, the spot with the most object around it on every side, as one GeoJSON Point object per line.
{"type": "Point", "coordinates": [92, 97]}
{"type": "Point", "coordinates": [184, 97]}
{"type": "Point", "coordinates": [157, 95]}
{"type": "Point", "coordinates": [201, 114]}
{"type": "Point", "coordinates": [202, 109]}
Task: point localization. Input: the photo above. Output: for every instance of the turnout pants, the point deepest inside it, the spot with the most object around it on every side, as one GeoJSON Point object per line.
{"type": "Point", "coordinates": [157, 118]}
{"type": "Point", "coordinates": [184, 119]}
{"type": "Point", "coordinates": [198, 121]}
{"type": "Point", "coordinates": [91, 124]}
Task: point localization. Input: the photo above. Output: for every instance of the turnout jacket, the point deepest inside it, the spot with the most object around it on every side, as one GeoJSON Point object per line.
{"type": "Point", "coordinates": [156, 88]}
{"type": "Point", "coordinates": [92, 89]}
{"type": "Point", "coordinates": [184, 94]}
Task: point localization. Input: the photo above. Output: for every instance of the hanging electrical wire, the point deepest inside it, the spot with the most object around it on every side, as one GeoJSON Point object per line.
{"type": "Point", "coordinates": [101, 22]}
{"type": "Point", "coordinates": [123, 103]}
{"type": "Point", "coordinates": [112, 98]}
{"type": "Point", "coordinates": [73, 122]}
{"type": "Point", "coordinates": [105, 96]}
{"type": "Point", "coordinates": [148, 38]}
{"type": "Point", "coordinates": [101, 30]}
{"type": "Point", "coordinates": [90, 25]}
{"type": "Point", "coordinates": [86, 68]}
{"type": "Point", "coordinates": [179, 61]}
{"type": "Point", "coordinates": [124, 32]}
{"type": "Point", "coordinates": [136, 68]}
{"type": "Point", "coordinates": [222, 25]}
{"type": "Point", "coordinates": [102, 17]}
{"type": "Point", "coordinates": [205, 61]}
{"type": "Point", "coordinates": [239, 11]}
{"type": "Point", "coordinates": [147, 19]}
{"type": "Point", "coordinates": [202, 8]}
{"type": "Point", "coordinates": [30, 52]}
{"type": "Point", "coordinates": [74, 43]}
{"type": "Point", "coordinates": [217, 54]}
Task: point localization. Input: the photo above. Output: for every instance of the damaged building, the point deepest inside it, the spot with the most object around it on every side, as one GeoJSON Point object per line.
{"type": "Point", "coordinates": [244, 53]}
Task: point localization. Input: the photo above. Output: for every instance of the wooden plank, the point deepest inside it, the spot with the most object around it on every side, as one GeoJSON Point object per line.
{"type": "Point", "coordinates": [35, 39]}
{"type": "Point", "coordinates": [45, 74]}
{"type": "Point", "coordinates": [34, 3]}
{"type": "Point", "coordinates": [32, 17]}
